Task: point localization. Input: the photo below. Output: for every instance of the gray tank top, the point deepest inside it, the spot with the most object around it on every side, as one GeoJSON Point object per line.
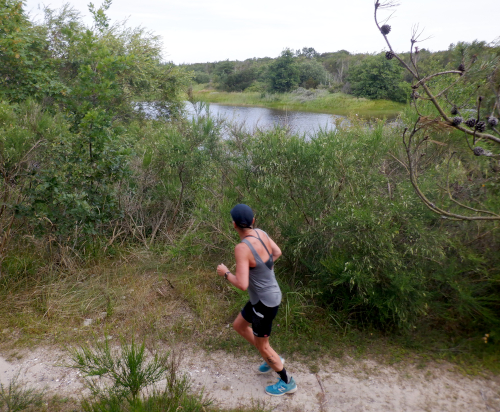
{"type": "Point", "coordinates": [262, 282]}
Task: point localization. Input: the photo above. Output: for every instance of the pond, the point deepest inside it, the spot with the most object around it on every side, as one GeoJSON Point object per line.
{"type": "Point", "coordinates": [252, 118]}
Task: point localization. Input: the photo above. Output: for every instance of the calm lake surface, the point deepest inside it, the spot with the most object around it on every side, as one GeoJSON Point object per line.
{"type": "Point", "coordinates": [252, 118]}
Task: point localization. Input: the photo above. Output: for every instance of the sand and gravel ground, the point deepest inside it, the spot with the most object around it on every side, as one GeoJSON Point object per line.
{"type": "Point", "coordinates": [339, 385]}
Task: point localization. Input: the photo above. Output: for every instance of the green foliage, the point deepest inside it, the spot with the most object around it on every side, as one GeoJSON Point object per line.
{"type": "Point", "coordinates": [63, 61]}
{"type": "Point", "coordinates": [224, 68]}
{"type": "Point", "coordinates": [16, 396]}
{"type": "Point", "coordinates": [128, 368]}
{"type": "Point", "coordinates": [74, 187]}
{"type": "Point", "coordinates": [240, 80]}
{"type": "Point", "coordinates": [101, 21]}
{"type": "Point", "coordinates": [307, 52]}
{"type": "Point", "coordinates": [201, 78]}
{"type": "Point", "coordinates": [81, 168]}
{"type": "Point", "coordinates": [169, 184]}
{"type": "Point", "coordinates": [300, 99]}
{"type": "Point", "coordinates": [24, 133]}
{"type": "Point", "coordinates": [26, 70]}
{"type": "Point", "coordinates": [283, 73]}
{"type": "Point", "coordinates": [351, 230]}
{"type": "Point", "coordinates": [131, 370]}
{"type": "Point", "coordinates": [378, 78]}
{"type": "Point", "coordinates": [97, 76]}
{"type": "Point", "coordinates": [312, 73]}
{"type": "Point", "coordinates": [324, 201]}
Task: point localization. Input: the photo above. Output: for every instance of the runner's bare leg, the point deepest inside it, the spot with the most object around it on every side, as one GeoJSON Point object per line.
{"type": "Point", "coordinates": [241, 326]}
{"type": "Point", "coordinates": [268, 353]}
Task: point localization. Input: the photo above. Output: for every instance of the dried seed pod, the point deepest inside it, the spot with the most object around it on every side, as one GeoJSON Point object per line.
{"type": "Point", "coordinates": [457, 120]}
{"type": "Point", "coordinates": [493, 121]}
{"type": "Point", "coordinates": [471, 122]}
{"type": "Point", "coordinates": [454, 110]}
{"type": "Point", "coordinates": [389, 55]}
{"type": "Point", "coordinates": [480, 126]}
{"type": "Point", "coordinates": [385, 29]}
{"type": "Point", "coordinates": [479, 151]}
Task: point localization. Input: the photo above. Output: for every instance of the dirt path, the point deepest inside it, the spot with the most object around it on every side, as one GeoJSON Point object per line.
{"type": "Point", "coordinates": [340, 385]}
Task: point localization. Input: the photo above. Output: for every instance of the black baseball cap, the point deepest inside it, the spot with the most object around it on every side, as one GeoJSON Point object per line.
{"type": "Point", "coordinates": [242, 215]}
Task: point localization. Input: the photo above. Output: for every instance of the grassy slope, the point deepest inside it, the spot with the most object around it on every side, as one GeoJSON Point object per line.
{"type": "Point", "coordinates": [142, 293]}
{"type": "Point", "coordinates": [337, 103]}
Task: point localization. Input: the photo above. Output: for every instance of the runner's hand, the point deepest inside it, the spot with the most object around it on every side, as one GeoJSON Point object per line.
{"type": "Point", "coordinates": [222, 269]}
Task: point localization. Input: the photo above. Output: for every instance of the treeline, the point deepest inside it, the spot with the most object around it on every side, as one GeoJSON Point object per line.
{"type": "Point", "coordinates": [374, 76]}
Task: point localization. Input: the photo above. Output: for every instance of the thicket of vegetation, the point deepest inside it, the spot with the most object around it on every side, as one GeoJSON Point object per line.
{"type": "Point", "coordinates": [86, 174]}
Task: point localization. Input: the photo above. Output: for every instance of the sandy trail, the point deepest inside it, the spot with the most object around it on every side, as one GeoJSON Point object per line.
{"type": "Point", "coordinates": [340, 385]}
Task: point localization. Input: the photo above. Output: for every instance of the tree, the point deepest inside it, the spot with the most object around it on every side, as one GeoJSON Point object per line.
{"type": "Point", "coordinates": [224, 68]}
{"type": "Point", "coordinates": [284, 73]}
{"type": "Point", "coordinates": [378, 78]}
{"type": "Point", "coordinates": [26, 69]}
{"type": "Point", "coordinates": [240, 80]}
{"type": "Point", "coordinates": [307, 52]}
{"type": "Point", "coordinates": [464, 98]}
{"type": "Point", "coordinates": [312, 73]}
{"type": "Point", "coordinates": [338, 64]}
{"type": "Point", "coordinates": [93, 78]}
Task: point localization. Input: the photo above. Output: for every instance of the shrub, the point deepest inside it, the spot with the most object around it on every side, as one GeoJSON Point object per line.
{"type": "Point", "coordinates": [378, 78]}
{"type": "Point", "coordinates": [16, 396]}
{"type": "Point", "coordinates": [130, 371]}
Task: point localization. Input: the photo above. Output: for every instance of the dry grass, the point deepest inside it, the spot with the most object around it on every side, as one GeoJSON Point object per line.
{"type": "Point", "coordinates": [138, 294]}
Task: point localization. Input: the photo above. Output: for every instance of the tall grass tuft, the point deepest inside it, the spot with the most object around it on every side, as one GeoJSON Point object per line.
{"type": "Point", "coordinates": [16, 396]}
{"type": "Point", "coordinates": [126, 379]}
{"type": "Point", "coordinates": [128, 368]}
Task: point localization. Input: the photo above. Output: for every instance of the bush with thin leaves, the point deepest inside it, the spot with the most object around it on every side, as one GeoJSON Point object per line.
{"type": "Point", "coordinates": [128, 368]}
{"type": "Point", "coordinates": [16, 396]}
{"type": "Point", "coordinates": [130, 371]}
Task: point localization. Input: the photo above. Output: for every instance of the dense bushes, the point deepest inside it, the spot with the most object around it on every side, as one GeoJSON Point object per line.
{"type": "Point", "coordinates": [352, 231]}
{"type": "Point", "coordinates": [63, 149]}
{"type": "Point", "coordinates": [378, 78]}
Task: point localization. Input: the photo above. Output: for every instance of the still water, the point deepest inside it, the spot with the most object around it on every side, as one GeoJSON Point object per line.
{"type": "Point", "coordinates": [253, 118]}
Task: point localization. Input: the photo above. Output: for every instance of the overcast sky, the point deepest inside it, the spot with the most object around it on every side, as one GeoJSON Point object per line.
{"type": "Point", "coordinates": [213, 30]}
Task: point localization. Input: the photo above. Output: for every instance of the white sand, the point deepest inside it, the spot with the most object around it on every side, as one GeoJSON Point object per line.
{"type": "Point", "coordinates": [340, 385]}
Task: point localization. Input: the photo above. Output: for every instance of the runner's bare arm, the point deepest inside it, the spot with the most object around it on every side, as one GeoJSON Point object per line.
{"type": "Point", "coordinates": [240, 279]}
{"type": "Point", "coordinates": [276, 251]}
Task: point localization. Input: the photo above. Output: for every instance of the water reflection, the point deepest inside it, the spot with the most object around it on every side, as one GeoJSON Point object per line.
{"type": "Point", "coordinates": [252, 118]}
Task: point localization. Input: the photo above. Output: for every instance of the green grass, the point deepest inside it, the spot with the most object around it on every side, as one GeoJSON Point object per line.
{"type": "Point", "coordinates": [306, 101]}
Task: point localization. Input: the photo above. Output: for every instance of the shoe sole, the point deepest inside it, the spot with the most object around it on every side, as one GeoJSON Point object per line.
{"type": "Point", "coordinates": [284, 393]}
{"type": "Point", "coordinates": [270, 369]}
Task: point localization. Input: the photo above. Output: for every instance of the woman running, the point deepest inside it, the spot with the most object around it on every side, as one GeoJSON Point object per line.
{"type": "Point", "coordinates": [255, 257]}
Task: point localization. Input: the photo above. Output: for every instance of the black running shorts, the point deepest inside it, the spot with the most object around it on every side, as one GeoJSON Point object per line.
{"type": "Point", "coordinates": [261, 317]}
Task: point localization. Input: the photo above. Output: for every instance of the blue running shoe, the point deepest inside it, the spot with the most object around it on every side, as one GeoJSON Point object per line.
{"type": "Point", "coordinates": [265, 368]}
{"type": "Point", "coordinates": [280, 388]}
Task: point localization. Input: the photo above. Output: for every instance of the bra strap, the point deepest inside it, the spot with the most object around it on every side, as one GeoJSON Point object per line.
{"type": "Point", "coordinates": [263, 244]}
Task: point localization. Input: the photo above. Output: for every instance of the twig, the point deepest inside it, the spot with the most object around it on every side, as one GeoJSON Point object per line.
{"type": "Point", "coordinates": [320, 384]}
{"type": "Point", "coordinates": [425, 200]}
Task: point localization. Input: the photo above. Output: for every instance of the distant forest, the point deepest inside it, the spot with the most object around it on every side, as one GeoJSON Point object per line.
{"type": "Point", "coordinates": [374, 76]}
